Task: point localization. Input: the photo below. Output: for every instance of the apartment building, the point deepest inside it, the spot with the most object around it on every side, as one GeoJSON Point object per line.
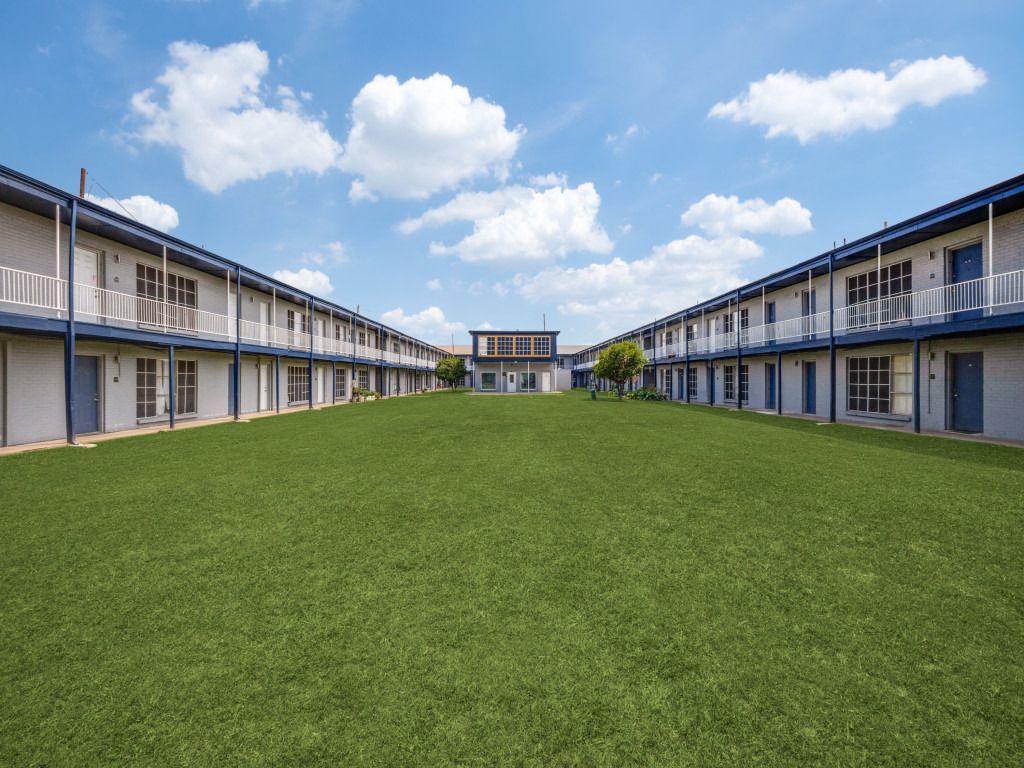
{"type": "Point", "coordinates": [519, 362]}
{"type": "Point", "coordinates": [564, 357]}
{"type": "Point", "coordinates": [109, 325]}
{"type": "Point", "coordinates": [919, 326]}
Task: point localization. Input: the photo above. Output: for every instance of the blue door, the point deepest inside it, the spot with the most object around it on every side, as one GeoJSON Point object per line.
{"type": "Point", "coordinates": [769, 385]}
{"type": "Point", "coordinates": [769, 318]}
{"type": "Point", "coordinates": [966, 264]}
{"type": "Point", "coordinates": [87, 394]}
{"type": "Point", "coordinates": [966, 393]}
{"type": "Point", "coordinates": [231, 389]}
{"type": "Point", "coordinates": [810, 394]}
{"type": "Point", "coordinates": [711, 385]}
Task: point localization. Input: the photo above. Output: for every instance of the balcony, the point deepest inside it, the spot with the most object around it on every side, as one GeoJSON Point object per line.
{"type": "Point", "coordinates": [958, 301]}
{"type": "Point", "coordinates": [46, 296]}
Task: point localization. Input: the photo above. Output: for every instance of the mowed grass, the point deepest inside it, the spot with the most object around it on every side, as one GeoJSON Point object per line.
{"type": "Point", "coordinates": [535, 580]}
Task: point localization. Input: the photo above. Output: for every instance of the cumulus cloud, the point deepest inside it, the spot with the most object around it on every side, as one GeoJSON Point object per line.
{"type": "Point", "coordinates": [719, 215]}
{"type": "Point", "coordinates": [412, 139]}
{"type": "Point", "coordinates": [309, 280]}
{"type": "Point", "coordinates": [434, 284]}
{"type": "Point", "coordinates": [142, 208]}
{"type": "Point", "coordinates": [209, 105]}
{"type": "Point", "coordinates": [429, 324]}
{"type": "Point", "coordinates": [520, 223]}
{"type": "Point", "coordinates": [333, 252]}
{"type": "Point", "coordinates": [848, 100]}
{"type": "Point", "coordinates": [619, 292]}
{"type": "Point", "coordinates": [549, 180]}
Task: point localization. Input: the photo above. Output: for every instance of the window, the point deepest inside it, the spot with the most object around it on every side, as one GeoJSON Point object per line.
{"type": "Point", "coordinates": [727, 323]}
{"type": "Point", "coordinates": [561, 362]}
{"type": "Point", "coordinates": [691, 332]}
{"type": "Point", "coordinates": [151, 388]}
{"type": "Point", "coordinates": [744, 383]}
{"type": "Point", "coordinates": [730, 382]}
{"type": "Point", "coordinates": [185, 375]}
{"type": "Point", "coordinates": [298, 384]}
{"type": "Point", "coordinates": [896, 280]}
{"type": "Point", "coordinates": [504, 345]}
{"type": "Point", "coordinates": [522, 345]}
{"type": "Point", "coordinates": [489, 381]}
{"type": "Point", "coordinates": [668, 338]}
{"type": "Point", "coordinates": [691, 382]}
{"type": "Point", "coordinates": [362, 338]}
{"type": "Point", "coordinates": [666, 382]}
{"type": "Point", "coordinates": [339, 381]}
{"type": "Point", "coordinates": [181, 292]}
{"type": "Point", "coordinates": [879, 384]}
{"type": "Point", "coordinates": [542, 346]}
{"type": "Point", "coordinates": [363, 378]}
{"type": "Point", "coordinates": [396, 348]}
{"type": "Point", "coordinates": [527, 381]}
{"type": "Point", "coordinates": [492, 345]}
{"type": "Point", "coordinates": [744, 319]}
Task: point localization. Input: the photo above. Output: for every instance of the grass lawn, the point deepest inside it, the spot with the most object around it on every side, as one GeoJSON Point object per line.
{"type": "Point", "coordinates": [534, 580]}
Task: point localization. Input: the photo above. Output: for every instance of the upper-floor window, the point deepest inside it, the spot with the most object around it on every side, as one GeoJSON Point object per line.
{"type": "Point", "coordinates": [362, 338]}
{"type": "Point", "coordinates": [504, 345]}
{"type": "Point", "coordinates": [691, 332]}
{"type": "Point", "coordinates": [542, 345]}
{"type": "Point", "coordinates": [727, 322]}
{"type": "Point", "coordinates": [522, 345]}
{"type": "Point", "coordinates": [296, 321]}
{"type": "Point", "coordinates": [891, 280]}
{"type": "Point", "coordinates": [668, 338]}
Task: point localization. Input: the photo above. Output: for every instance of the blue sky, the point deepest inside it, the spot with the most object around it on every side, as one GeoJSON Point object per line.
{"type": "Point", "coordinates": [462, 164]}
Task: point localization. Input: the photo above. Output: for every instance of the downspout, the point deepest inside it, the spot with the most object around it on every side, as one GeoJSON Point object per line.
{"type": "Point", "coordinates": [917, 385]}
{"type": "Point", "coordinates": [172, 384]}
{"type": "Point", "coordinates": [69, 338]}
{"type": "Point", "coordinates": [778, 374]}
{"type": "Point", "coordinates": [277, 383]}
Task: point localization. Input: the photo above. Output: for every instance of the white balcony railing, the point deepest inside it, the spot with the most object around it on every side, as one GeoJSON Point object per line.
{"type": "Point", "coordinates": [102, 306]}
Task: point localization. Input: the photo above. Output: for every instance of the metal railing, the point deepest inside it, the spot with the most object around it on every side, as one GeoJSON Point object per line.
{"type": "Point", "coordinates": [31, 290]}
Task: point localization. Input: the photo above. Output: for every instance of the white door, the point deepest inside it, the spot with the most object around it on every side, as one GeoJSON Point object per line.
{"type": "Point", "coordinates": [87, 273]}
{"type": "Point", "coordinates": [264, 322]}
{"type": "Point", "coordinates": [321, 380]}
{"type": "Point", "coordinates": [545, 381]}
{"type": "Point", "coordinates": [263, 384]}
{"type": "Point", "coordinates": [511, 382]}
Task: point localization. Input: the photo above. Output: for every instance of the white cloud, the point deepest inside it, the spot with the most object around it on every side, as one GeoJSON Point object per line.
{"type": "Point", "coordinates": [619, 293]}
{"type": "Point", "coordinates": [333, 252]}
{"type": "Point", "coordinates": [632, 130]}
{"type": "Point", "coordinates": [625, 228]}
{"type": "Point", "coordinates": [848, 100]}
{"type": "Point", "coordinates": [654, 178]}
{"type": "Point", "coordinates": [520, 224]}
{"type": "Point", "coordinates": [500, 288]}
{"type": "Point", "coordinates": [719, 215]}
{"type": "Point", "coordinates": [550, 180]}
{"type": "Point", "coordinates": [430, 324]}
{"type": "Point", "coordinates": [434, 284]}
{"type": "Point", "coordinates": [484, 326]}
{"type": "Point", "coordinates": [210, 108]}
{"type": "Point", "coordinates": [309, 280]}
{"type": "Point", "coordinates": [142, 208]}
{"type": "Point", "coordinates": [412, 139]}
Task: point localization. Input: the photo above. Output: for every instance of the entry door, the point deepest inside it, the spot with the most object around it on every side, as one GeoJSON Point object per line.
{"type": "Point", "coordinates": [545, 381]}
{"type": "Point", "coordinates": [321, 393]}
{"type": "Point", "coordinates": [87, 273]}
{"type": "Point", "coordinates": [966, 264]}
{"type": "Point", "coordinates": [810, 387]}
{"type": "Point", "coordinates": [87, 394]}
{"type": "Point", "coordinates": [966, 394]}
{"type": "Point", "coordinates": [263, 384]}
{"type": "Point", "coordinates": [264, 322]}
{"type": "Point", "coordinates": [711, 385]}
{"type": "Point", "coordinates": [511, 382]}
{"type": "Point", "coordinates": [769, 385]}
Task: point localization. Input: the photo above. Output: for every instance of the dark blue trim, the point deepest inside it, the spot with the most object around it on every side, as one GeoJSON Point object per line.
{"type": "Point", "coordinates": [69, 339]}
{"type": "Point", "coordinates": [237, 383]}
{"type": "Point", "coordinates": [917, 385]}
{"type": "Point", "coordinates": [172, 381]}
{"type": "Point", "coordinates": [311, 309]}
{"type": "Point", "coordinates": [739, 358]}
{"type": "Point", "coordinates": [778, 388]}
{"type": "Point", "coordinates": [277, 383]}
{"type": "Point", "coordinates": [831, 344]}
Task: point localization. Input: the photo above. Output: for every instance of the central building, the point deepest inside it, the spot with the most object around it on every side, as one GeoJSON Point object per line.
{"type": "Point", "coordinates": [517, 361]}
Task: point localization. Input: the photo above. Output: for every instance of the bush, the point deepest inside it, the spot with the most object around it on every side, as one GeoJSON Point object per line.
{"type": "Point", "coordinates": [646, 393]}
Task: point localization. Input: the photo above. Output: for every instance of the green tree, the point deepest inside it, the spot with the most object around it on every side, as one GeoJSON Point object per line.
{"type": "Point", "coordinates": [619, 363]}
{"type": "Point", "coordinates": [450, 370]}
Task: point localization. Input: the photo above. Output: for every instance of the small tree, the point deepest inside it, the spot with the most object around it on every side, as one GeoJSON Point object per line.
{"type": "Point", "coordinates": [450, 370]}
{"type": "Point", "coordinates": [619, 363]}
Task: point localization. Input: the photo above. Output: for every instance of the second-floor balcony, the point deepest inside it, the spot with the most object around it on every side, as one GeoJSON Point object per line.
{"type": "Point", "coordinates": [968, 300]}
{"type": "Point", "coordinates": [31, 293]}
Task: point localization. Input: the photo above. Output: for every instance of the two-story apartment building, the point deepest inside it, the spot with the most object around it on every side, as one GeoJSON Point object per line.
{"type": "Point", "coordinates": [918, 326]}
{"type": "Point", "coordinates": [517, 362]}
{"type": "Point", "coordinates": [109, 325]}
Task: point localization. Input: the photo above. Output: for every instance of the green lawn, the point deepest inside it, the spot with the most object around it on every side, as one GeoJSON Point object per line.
{"type": "Point", "coordinates": [534, 580]}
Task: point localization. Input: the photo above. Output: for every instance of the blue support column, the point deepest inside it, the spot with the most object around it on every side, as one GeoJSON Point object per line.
{"type": "Point", "coordinates": [172, 384]}
{"type": "Point", "coordinates": [277, 383]}
{"type": "Point", "coordinates": [312, 325]}
{"type": "Point", "coordinates": [334, 382]}
{"type": "Point", "coordinates": [739, 358]}
{"type": "Point", "coordinates": [686, 354]}
{"type": "Point", "coordinates": [237, 383]}
{"type": "Point", "coordinates": [831, 346]}
{"type": "Point", "coordinates": [69, 337]}
{"type": "Point", "coordinates": [917, 385]}
{"type": "Point", "coordinates": [778, 388]}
